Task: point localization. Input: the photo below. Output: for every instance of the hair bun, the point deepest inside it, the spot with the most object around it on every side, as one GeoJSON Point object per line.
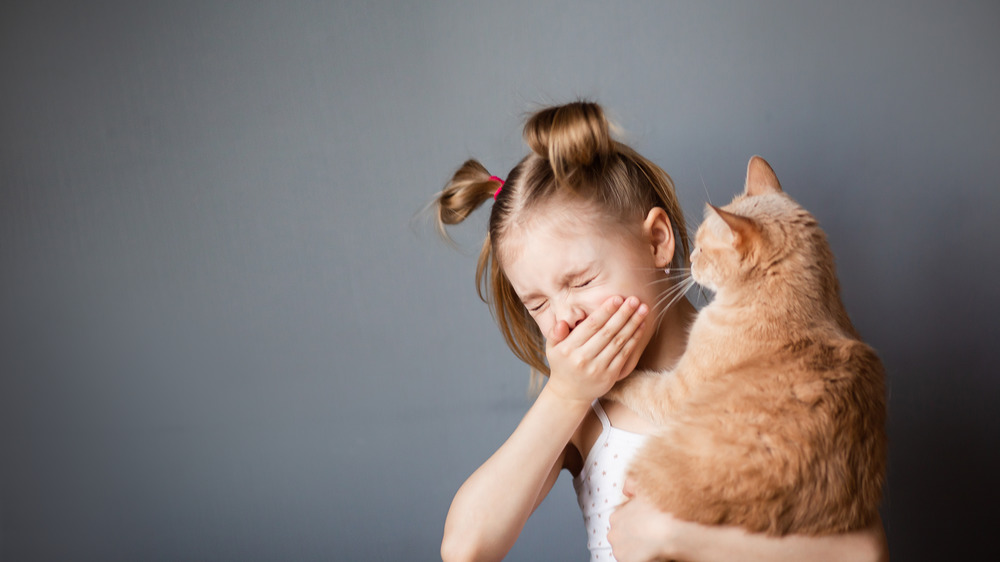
{"type": "Point", "coordinates": [572, 137]}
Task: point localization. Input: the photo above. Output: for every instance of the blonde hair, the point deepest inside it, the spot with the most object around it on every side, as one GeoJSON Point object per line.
{"type": "Point", "coordinates": [572, 154]}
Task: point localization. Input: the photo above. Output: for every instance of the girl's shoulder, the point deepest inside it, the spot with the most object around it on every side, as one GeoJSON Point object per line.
{"type": "Point", "coordinates": [591, 427]}
{"type": "Point", "coordinates": [582, 440]}
{"type": "Point", "coordinates": [623, 418]}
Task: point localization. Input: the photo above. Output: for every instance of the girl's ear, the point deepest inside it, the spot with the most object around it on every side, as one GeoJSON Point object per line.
{"type": "Point", "coordinates": [761, 179]}
{"type": "Point", "coordinates": [658, 231]}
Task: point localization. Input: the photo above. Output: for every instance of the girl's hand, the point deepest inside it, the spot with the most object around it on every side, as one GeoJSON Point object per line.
{"type": "Point", "coordinates": [640, 531]}
{"type": "Point", "coordinates": [587, 361]}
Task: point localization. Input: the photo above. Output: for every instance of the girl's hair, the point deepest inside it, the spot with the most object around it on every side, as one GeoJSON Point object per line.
{"type": "Point", "coordinates": [572, 154]}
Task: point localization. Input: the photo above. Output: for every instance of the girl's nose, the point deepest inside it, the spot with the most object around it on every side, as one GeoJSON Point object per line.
{"type": "Point", "coordinates": [570, 313]}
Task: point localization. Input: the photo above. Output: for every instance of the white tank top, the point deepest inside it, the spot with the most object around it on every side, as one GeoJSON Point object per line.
{"type": "Point", "coordinates": [599, 484]}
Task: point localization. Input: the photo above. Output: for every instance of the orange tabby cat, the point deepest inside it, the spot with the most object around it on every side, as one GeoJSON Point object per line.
{"type": "Point", "coordinates": [774, 418]}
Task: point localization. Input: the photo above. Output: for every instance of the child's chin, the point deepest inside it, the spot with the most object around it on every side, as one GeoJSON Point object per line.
{"type": "Point", "coordinates": [644, 340]}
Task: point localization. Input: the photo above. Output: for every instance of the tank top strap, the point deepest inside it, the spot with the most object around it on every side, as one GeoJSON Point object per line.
{"type": "Point", "coordinates": [601, 414]}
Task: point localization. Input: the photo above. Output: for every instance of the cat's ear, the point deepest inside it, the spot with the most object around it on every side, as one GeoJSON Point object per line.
{"type": "Point", "coordinates": [745, 231]}
{"type": "Point", "coordinates": [761, 179]}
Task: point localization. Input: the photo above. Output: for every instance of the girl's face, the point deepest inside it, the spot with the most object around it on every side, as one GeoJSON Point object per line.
{"type": "Point", "coordinates": [567, 261]}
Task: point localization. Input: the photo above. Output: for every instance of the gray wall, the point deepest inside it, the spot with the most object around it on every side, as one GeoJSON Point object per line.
{"type": "Point", "coordinates": [224, 335]}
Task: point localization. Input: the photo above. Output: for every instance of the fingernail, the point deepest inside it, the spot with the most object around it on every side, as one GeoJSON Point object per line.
{"type": "Point", "coordinates": [643, 309]}
{"type": "Point", "coordinates": [616, 302]}
{"type": "Point", "coordinates": [633, 302]}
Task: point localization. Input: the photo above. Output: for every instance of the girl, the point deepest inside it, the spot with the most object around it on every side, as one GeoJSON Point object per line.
{"type": "Point", "coordinates": [575, 266]}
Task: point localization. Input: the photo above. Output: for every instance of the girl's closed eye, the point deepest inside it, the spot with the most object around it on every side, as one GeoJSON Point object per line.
{"type": "Point", "coordinates": [585, 283]}
{"type": "Point", "coordinates": [537, 307]}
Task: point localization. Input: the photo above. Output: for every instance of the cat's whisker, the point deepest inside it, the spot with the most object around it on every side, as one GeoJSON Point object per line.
{"type": "Point", "coordinates": [672, 268]}
{"type": "Point", "coordinates": [683, 282]}
{"type": "Point", "coordinates": [672, 277]}
{"type": "Point", "coordinates": [673, 280]}
{"type": "Point", "coordinates": [705, 186]}
{"type": "Point", "coordinates": [669, 295]}
{"type": "Point", "coordinates": [672, 295]}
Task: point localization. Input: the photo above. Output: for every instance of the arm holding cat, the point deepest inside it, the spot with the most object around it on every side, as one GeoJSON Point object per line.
{"type": "Point", "coordinates": [641, 532]}
{"type": "Point", "coordinates": [492, 506]}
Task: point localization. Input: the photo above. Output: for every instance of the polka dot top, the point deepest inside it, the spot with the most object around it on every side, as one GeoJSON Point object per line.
{"type": "Point", "coordinates": [599, 484]}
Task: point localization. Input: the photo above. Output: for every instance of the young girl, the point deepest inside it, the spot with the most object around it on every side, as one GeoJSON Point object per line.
{"type": "Point", "coordinates": [575, 266]}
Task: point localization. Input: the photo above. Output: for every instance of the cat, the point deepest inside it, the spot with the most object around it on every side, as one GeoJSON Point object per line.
{"type": "Point", "coordinates": [774, 417]}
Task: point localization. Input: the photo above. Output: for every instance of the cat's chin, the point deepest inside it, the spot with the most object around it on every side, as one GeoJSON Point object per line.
{"type": "Point", "coordinates": [711, 289]}
{"type": "Point", "coordinates": [703, 283]}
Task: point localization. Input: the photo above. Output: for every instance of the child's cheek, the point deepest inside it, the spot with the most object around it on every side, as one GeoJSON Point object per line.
{"type": "Point", "coordinates": [544, 322]}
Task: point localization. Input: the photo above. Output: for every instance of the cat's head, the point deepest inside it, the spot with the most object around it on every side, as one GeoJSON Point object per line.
{"type": "Point", "coordinates": [761, 234]}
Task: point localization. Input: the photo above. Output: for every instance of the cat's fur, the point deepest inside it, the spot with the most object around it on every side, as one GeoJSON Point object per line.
{"type": "Point", "coordinates": [774, 418]}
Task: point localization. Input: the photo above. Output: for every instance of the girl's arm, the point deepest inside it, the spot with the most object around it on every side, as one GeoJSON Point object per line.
{"type": "Point", "coordinates": [641, 532]}
{"type": "Point", "coordinates": [492, 506]}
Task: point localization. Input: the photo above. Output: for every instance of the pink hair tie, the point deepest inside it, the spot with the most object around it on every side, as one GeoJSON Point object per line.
{"type": "Point", "coordinates": [501, 182]}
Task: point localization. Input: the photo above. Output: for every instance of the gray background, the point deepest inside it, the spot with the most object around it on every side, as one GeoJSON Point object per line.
{"type": "Point", "coordinates": [226, 333]}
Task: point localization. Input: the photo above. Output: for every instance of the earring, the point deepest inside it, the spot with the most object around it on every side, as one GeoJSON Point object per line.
{"type": "Point", "coordinates": [667, 271]}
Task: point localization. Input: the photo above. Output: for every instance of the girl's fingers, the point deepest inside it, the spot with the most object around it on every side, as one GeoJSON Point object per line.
{"type": "Point", "coordinates": [595, 322]}
{"type": "Point", "coordinates": [628, 490]}
{"type": "Point", "coordinates": [617, 331]}
{"type": "Point", "coordinates": [622, 358]}
{"type": "Point", "coordinates": [603, 344]}
{"type": "Point", "coordinates": [558, 333]}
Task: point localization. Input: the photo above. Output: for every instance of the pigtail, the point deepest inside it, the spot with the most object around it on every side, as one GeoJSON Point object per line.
{"type": "Point", "coordinates": [575, 138]}
{"type": "Point", "coordinates": [469, 188]}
